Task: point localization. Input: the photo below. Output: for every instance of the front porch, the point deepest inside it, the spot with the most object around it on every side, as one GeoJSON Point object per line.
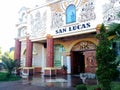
{"type": "Point", "coordinates": [65, 81]}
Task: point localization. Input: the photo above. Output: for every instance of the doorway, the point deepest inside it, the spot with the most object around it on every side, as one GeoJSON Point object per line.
{"type": "Point", "coordinates": [78, 63]}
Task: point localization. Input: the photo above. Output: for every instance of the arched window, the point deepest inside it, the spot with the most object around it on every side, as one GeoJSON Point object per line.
{"type": "Point", "coordinates": [70, 14]}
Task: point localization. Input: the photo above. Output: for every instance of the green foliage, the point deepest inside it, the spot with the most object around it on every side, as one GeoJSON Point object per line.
{"type": "Point", "coordinates": [81, 87]}
{"type": "Point", "coordinates": [114, 29]}
{"type": "Point", "coordinates": [0, 53]}
{"type": "Point", "coordinates": [114, 86]}
{"type": "Point", "coordinates": [4, 77]}
{"type": "Point", "coordinates": [9, 64]}
{"type": "Point", "coordinates": [97, 87]}
{"type": "Point", "coordinates": [118, 59]}
{"type": "Point", "coordinates": [105, 57]}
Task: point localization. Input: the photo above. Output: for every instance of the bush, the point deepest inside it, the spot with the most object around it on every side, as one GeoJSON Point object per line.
{"type": "Point", "coordinates": [4, 77]}
{"type": "Point", "coordinates": [81, 87]}
{"type": "Point", "coordinates": [9, 64]}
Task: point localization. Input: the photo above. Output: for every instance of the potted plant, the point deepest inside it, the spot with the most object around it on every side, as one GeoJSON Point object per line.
{"type": "Point", "coordinates": [64, 69]}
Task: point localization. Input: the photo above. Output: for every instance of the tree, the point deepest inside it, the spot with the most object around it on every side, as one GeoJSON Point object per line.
{"type": "Point", "coordinates": [114, 30]}
{"type": "Point", "coordinates": [105, 56]}
{"type": "Point", "coordinates": [8, 63]}
{"type": "Point", "coordinates": [0, 53]}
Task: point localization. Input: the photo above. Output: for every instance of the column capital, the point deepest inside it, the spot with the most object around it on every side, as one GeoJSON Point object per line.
{"type": "Point", "coordinates": [27, 36]}
{"type": "Point", "coordinates": [66, 53]}
{"type": "Point", "coordinates": [98, 28]}
{"type": "Point", "coordinates": [49, 36]}
{"type": "Point", "coordinates": [16, 38]}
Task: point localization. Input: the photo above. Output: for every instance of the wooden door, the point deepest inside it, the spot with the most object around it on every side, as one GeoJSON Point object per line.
{"type": "Point", "coordinates": [90, 61]}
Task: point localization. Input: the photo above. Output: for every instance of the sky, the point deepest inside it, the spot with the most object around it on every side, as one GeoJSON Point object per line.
{"type": "Point", "coordinates": [8, 19]}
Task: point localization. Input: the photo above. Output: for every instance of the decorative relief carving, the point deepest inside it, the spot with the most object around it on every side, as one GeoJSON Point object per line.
{"type": "Point", "coordinates": [38, 24]}
{"type": "Point", "coordinates": [87, 12]}
{"type": "Point", "coordinates": [90, 61]}
{"type": "Point", "coordinates": [23, 14]}
{"type": "Point", "coordinates": [84, 45]}
{"type": "Point", "coordinates": [70, 1]}
{"type": "Point", "coordinates": [55, 7]}
{"type": "Point", "coordinates": [111, 10]}
{"type": "Point", "coordinates": [66, 3]}
{"type": "Point", "coordinates": [57, 19]}
{"type": "Point", "coordinates": [84, 11]}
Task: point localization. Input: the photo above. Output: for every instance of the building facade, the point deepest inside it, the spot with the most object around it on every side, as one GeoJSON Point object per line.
{"type": "Point", "coordinates": [62, 32]}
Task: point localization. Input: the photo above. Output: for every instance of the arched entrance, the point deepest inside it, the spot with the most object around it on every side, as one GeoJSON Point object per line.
{"type": "Point", "coordinates": [83, 57]}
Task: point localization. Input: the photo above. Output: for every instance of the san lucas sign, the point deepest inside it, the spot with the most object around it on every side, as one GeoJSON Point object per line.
{"type": "Point", "coordinates": [73, 28]}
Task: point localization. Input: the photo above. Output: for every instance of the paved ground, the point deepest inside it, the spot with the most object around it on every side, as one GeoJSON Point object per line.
{"type": "Point", "coordinates": [17, 85]}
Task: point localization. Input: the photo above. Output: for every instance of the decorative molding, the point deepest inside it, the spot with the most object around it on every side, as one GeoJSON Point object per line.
{"type": "Point", "coordinates": [66, 3]}
{"type": "Point", "coordinates": [23, 15]}
{"type": "Point", "coordinates": [57, 19]}
{"type": "Point", "coordinates": [23, 32]}
{"type": "Point", "coordinates": [84, 45]}
{"type": "Point", "coordinates": [87, 11]}
{"type": "Point", "coordinates": [38, 23]}
{"type": "Point", "coordinates": [49, 36]}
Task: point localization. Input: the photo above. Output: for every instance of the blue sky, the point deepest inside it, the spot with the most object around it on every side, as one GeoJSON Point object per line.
{"type": "Point", "coordinates": [8, 19]}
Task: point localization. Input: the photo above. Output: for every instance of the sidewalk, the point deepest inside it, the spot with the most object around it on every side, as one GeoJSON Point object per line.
{"type": "Point", "coordinates": [17, 85]}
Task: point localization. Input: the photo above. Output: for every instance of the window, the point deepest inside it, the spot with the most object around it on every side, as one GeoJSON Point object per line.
{"type": "Point", "coordinates": [58, 50]}
{"type": "Point", "coordinates": [70, 14]}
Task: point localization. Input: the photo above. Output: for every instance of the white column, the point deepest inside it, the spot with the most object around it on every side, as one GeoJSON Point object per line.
{"type": "Point", "coordinates": [43, 58]}
{"type": "Point", "coordinates": [62, 61]}
{"type": "Point", "coordinates": [68, 64]}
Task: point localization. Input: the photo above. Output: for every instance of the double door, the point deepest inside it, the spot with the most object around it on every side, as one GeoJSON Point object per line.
{"type": "Point", "coordinates": [83, 61]}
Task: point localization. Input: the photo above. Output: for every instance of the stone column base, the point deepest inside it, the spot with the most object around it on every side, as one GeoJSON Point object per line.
{"type": "Point", "coordinates": [50, 71]}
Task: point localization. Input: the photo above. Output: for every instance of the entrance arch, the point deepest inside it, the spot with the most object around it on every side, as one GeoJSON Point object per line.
{"type": "Point", "coordinates": [83, 57]}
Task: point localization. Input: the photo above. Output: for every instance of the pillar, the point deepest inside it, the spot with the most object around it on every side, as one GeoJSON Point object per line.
{"type": "Point", "coordinates": [50, 70]}
{"type": "Point", "coordinates": [29, 47]}
{"type": "Point", "coordinates": [50, 51]}
{"type": "Point", "coordinates": [68, 63]}
{"type": "Point", "coordinates": [17, 51]}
